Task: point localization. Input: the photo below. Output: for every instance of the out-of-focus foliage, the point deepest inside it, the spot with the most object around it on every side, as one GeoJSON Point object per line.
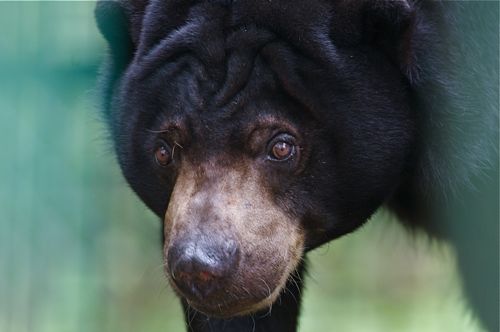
{"type": "Point", "coordinates": [78, 252]}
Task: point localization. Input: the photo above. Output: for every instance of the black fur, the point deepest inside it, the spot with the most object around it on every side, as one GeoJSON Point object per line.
{"type": "Point", "coordinates": [380, 90]}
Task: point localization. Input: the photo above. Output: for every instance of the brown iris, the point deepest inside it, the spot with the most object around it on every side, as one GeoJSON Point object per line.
{"type": "Point", "coordinates": [163, 156]}
{"type": "Point", "coordinates": [282, 150]}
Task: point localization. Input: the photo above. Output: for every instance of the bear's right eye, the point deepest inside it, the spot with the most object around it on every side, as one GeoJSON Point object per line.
{"type": "Point", "coordinates": [282, 148]}
{"type": "Point", "coordinates": [162, 154]}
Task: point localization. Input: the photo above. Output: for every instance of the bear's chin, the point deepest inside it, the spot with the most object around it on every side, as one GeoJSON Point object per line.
{"type": "Point", "coordinates": [226, 305]}
{"type": "Point", "coordinates": [231, 309]}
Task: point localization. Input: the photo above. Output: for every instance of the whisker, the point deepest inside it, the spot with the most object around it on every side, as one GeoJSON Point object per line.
{"type": "Point", "coordinates": [173, 149]}
{"type": "Point", "coordinates": [162, 131]}
{"type": "Point", "coordinates": [291, 293]}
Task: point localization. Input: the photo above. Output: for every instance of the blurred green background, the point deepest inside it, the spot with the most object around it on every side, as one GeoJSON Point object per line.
{"type": "Point", "coordinates": [78, 252]}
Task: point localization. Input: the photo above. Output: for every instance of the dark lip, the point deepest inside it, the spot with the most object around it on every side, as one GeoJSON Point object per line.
{"type": "Point", "coordinates": [227, 311]}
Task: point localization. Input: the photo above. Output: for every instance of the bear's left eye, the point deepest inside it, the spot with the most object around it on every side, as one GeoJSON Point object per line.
{"type": "Point", "coordinates": [282, 148]}
{"type": "Point", "coordinates": [162, 154]}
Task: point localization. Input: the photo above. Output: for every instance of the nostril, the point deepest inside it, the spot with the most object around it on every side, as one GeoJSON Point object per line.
{"type": "Point", "coordinates": [205, 276]}
{"type": "Point", "coordinates": [182, 276]}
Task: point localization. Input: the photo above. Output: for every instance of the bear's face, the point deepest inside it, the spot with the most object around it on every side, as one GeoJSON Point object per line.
{"type": "Point", "coordinates": [253, 151]}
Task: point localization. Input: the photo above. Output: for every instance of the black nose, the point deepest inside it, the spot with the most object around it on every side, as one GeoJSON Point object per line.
{"type": "Point", "coordinates": [202, 267]}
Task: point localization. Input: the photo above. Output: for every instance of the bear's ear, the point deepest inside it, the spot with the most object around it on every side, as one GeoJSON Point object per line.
{"type": "Point", "coordinates": [388, 25]}
{"type": "Point", "coordinates": [120, 22]}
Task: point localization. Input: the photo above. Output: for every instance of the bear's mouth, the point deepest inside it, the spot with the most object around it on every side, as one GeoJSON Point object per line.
{"type": "Point", "coordinates": [228, 309]}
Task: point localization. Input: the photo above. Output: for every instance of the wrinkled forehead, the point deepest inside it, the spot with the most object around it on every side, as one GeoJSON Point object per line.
{"type": "Point", "coordinates": [223, 39]}
{"type": "Point", "coordinates": [183, 96]}
{"type": "Point", "coordinates": [212, 73]}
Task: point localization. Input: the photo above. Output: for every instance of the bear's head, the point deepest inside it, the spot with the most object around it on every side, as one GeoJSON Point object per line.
{"type": "Point", "coordinates": [257, 130]}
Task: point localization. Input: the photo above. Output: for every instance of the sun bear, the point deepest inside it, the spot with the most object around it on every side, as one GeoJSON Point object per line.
{"type": "Point", "coordinates": [259, 130]}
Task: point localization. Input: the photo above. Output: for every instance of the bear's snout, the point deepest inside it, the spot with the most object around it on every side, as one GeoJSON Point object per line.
{"type": "Point", "coordinates": [203, 266]}
{"type": "Point", "coordinates": [229, 249]}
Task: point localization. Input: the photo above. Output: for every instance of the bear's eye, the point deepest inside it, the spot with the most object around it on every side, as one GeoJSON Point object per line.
{"type": "Point", "coordinates": [163, 155]}
{"type": "Point", "coordinates": [282, 148]}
